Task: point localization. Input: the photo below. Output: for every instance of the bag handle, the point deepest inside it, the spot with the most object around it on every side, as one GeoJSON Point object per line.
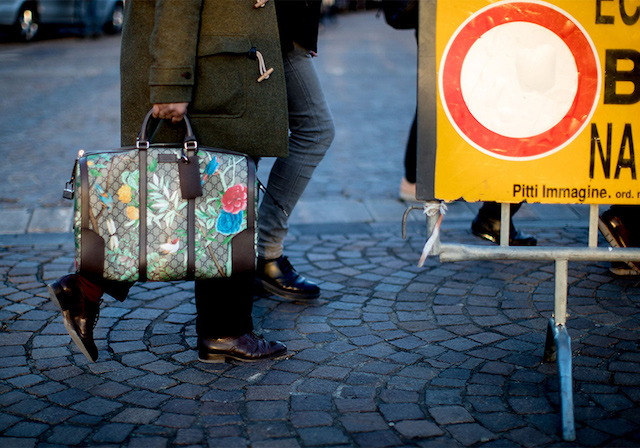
{"type": "Point", "coordinates": [189, 144]}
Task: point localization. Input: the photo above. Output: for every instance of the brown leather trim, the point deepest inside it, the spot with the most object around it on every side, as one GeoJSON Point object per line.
{"type": "Point", "coordinates": [142, 268]}
{"type": "Point", "coordinates": [191, 239]}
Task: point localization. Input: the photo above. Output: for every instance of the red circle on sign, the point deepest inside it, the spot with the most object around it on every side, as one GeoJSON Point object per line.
{"type": "Point", "coordinates": [552, 140]}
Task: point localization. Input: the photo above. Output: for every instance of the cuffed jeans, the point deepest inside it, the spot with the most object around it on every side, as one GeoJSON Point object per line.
{"type": "Point", "coordinates": [311, 133]}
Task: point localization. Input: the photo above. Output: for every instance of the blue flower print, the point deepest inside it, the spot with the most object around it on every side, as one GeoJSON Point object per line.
{"type": "Point", "coordinates": [228, 224]}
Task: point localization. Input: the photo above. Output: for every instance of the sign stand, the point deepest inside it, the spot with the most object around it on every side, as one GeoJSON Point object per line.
{"type": "Point", "coordinates": [558, 341]}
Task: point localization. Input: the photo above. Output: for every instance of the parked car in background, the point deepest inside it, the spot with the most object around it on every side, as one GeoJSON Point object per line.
{"type": "Point", "coordinates": [25, 18]}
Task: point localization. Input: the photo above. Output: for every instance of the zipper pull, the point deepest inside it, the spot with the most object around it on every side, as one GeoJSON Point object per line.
{"type": "Point", "coordinates": [69, 187]}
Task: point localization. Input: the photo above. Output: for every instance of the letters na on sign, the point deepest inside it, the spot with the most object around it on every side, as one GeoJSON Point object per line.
{"type": "Point", "coordinates": [536, 101]}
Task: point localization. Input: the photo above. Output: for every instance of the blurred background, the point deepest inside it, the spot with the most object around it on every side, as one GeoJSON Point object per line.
{"type": "Point", "coordinates": [60, 91]}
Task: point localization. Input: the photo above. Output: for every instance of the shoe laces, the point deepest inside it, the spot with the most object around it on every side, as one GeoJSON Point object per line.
{"type": "Point", "coordinates": [99, 306]}
{"type": "Point", "coordinates": [255, 336]}
{"type": "Point", "coordinates": [285, 265]}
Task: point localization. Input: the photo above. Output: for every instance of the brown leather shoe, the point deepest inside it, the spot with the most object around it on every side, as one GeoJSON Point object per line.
{"type": "Point", "coordinates": [489, 229]}
{"type": "Point", "coordinates": [78, 313]}
{"type": "Point", "coordinates": [617, 234]}
{"type": "Point", "coordinates": [248, 347]}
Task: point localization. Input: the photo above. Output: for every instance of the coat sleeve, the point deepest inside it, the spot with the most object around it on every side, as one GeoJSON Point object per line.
{"type": "Point", "coordinates": [173, 47]}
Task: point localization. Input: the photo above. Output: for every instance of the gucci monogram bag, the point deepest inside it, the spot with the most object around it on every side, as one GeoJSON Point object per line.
{"type": "Point", "coordinates": [163, 212]}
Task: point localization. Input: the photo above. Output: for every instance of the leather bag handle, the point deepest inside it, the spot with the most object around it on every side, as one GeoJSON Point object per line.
{"type": "Point", "coordinates": [142, 141]}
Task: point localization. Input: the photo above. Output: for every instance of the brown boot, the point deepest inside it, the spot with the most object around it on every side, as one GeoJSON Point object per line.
{"type": "Point", "coordinates": [78, 313]}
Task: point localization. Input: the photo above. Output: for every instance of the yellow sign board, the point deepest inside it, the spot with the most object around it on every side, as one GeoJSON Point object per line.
{"type": "Point", "coordinates": [538, 101]}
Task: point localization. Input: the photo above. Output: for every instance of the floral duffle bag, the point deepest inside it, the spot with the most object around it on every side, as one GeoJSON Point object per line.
{"type": "Point", "coordinates": [163, 212]}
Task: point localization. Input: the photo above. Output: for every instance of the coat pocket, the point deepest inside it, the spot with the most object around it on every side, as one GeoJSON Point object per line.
{"type": "Point", "coordinates": [222, 72]}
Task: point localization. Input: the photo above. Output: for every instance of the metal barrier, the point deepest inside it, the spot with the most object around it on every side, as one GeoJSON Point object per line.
{"type": "Point", "coordinates": [558, 342]}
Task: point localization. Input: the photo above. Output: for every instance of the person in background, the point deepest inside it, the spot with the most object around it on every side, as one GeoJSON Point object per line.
{"type": "Point", "coordinates": [92, 25]}
{"type": "Point", "coordinates": [311, 134]}
{"type": "Point", "coordinates": [486, 224]}
{"type": "Point", "coordinates": [619, 225]}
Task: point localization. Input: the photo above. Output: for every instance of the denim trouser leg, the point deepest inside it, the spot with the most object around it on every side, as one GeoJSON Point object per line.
{"type": "Point", "coordinates": [311, 133]}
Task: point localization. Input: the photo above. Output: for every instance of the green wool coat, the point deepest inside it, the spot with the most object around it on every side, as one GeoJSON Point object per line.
{"type": "Point", "coordinates": [204, 52]}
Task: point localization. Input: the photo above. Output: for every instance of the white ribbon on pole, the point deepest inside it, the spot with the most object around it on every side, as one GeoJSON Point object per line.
{"type": "Point", "coordinates": [431, 209]}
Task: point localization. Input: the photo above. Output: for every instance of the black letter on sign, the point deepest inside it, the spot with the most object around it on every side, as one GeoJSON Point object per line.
{"type": "Point", "coordinates": [627, 138]}
{"type": "Point", "coordinates": [600, 19]}
{"type": "Point", "coordinates": [613, 76]}
{"type": "Point", "coordinates": [606, 160]}
{"type": "Point", "coordinates": [627, 19]}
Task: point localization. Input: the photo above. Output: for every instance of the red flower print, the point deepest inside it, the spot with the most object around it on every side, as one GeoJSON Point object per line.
{"type": "Point", "coordinates": [234, 199]}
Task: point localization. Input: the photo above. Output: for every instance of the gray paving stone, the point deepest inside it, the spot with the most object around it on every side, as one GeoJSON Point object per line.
{"type": "Point", "coordinates": [363, 422]}
{"type": "Point", "coordinates": [136, 416]}
{"type": "Point", "coordinates": [175, 420]}
{"type": "Point", "coordinates": [377, 439]}
{"type": "Point", "coordinates": [446, 415]}
{"type": "Point", "coordinates": [148, 442]}
{"type": "Point", "coordinates": [18, 442]}
{"type": "Point", "coordinates": [26, 430]}
{"type": "Point", "coordinates": [322, 436]}
{"type": "Point", "coordinates": [189, 436]}
{"type": "Point", "coordinates": [68, 435]}
{"type": "Point", "coordinates": [96, 406]}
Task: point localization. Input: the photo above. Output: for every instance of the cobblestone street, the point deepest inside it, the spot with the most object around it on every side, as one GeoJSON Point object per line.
{"type": "Point", "coordinates": [371, 363]}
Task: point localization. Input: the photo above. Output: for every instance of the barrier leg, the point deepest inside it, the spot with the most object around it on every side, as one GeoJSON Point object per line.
{"type": "Point", "coordinates": [550, 344]}
{"type": "Point", "coordinates": [563, 347]}
{"type": "Point", "coordinates": [563, 351]}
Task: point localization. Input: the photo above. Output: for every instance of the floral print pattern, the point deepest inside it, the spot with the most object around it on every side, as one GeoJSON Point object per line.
{"type": "Point", "coordinates": [114, 188]}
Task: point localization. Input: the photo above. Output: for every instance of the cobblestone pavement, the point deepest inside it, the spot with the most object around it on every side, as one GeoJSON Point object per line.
{"type": "Point", "coordinates": [390, 355]}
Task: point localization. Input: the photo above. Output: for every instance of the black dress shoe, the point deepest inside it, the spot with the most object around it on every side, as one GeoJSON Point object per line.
{"type": "Point", "coordinates": [617, 235]}
{"type": "Point", "coordinates": [78, 313]}
{"type": "Point", "coordinates": [278, 277]}
{"type": "Point", "coordinates": [489, 229]}
{"type": "Point", "coordinates": [248, 347]}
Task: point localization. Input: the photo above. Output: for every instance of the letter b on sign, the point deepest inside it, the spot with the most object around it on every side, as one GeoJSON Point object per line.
{"type": "Point", "coordinates": [613, 75]}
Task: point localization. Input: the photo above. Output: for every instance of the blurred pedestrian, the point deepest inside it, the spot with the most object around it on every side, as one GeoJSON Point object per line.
{"type": "Point", "coordinates": [92, 25]}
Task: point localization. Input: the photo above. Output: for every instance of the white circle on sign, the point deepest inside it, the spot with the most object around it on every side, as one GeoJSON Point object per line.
{"type": "Point", "coordinates": [532, 72]}
{"type": "Point", "coordinates": [519, 79]}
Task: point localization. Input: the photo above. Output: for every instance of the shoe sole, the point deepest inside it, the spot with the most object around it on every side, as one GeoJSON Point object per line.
{"type": "Point", "coordinates": [54, 288]}
{"type": "Point", "coordinates": [222, 358]}
{"type": "Point", "coordinates": [485, 236]}
{"type": "Point", "coordinates": [610, 238]}
{"type": "Point", "coordinates": [623, 271]}
{"type": "Point", "coordinates": [285, 294]}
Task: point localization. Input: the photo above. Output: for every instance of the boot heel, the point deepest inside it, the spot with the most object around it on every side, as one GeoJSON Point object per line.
{"type": "Point", "coordinates": [54, 290]}
{"type": "Point", "coordinates": [212, 358]}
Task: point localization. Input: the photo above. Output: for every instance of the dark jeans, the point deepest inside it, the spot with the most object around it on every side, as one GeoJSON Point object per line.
{"type": "Point", "coordinates": [312, 131]}
{"type": "Point", "coordinates": [410, 154]}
